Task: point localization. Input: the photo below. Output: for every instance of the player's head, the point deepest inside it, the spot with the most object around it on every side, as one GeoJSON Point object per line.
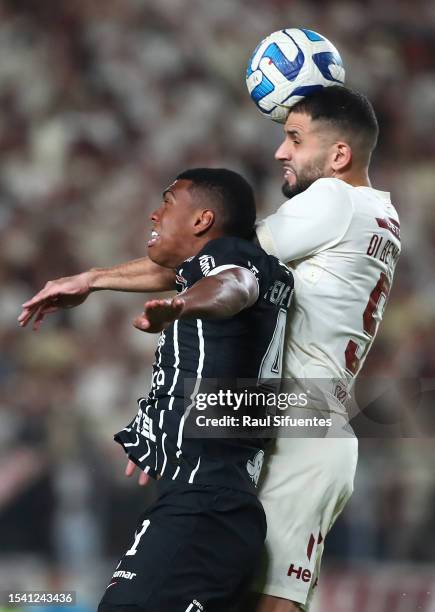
{"type": "Point", "coordinates": [201, 204]}
{"type": "Point", "coordinates": [330, 133]}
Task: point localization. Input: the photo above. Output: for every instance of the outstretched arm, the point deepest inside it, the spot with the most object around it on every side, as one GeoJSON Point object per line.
{"type": "Point", "coordinates": [140, 275]}
{"type": "Point", "coordinates": [219, 296]}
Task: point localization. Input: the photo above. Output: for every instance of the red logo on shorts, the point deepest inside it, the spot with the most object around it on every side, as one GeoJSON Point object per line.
{"type": "Point", "coordinates": [302, 573]}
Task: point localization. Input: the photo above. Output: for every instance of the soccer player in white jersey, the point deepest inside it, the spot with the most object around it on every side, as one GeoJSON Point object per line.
{"type": "Point", "coordinates": [342, 239]}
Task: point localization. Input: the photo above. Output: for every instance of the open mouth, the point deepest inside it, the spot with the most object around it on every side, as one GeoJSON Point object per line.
{"type": "Point", "coordinates": [289, 174]}
{"type": "Point", "coordinates": [155, 236]}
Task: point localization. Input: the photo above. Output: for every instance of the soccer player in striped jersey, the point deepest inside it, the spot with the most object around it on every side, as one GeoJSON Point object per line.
{"type": "Point", "coordinates": [197, 546]}
{"type": "Point", "coordinates": [341, 238]}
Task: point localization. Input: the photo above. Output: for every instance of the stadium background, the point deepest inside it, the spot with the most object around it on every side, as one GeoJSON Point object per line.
{"type": "Point", "coordinates": [102, 103]}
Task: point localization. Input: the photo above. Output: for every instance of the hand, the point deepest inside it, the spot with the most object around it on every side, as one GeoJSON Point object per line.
{"type": "Point", "coordinates": [158, 314]}
{"type": "Point", "coordinates": [65, 292]}
{"type": "Point", "coordinates": [129, 471]}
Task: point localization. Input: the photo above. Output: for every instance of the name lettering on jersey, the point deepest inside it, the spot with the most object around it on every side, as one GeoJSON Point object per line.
{"type": "Point", "coordinates": [206, 263]}
{"type": "Point", "coordinates": [144, 425]}
{"type": "Point", "coordinates": [279, 293]}
{"type": "Point", "coordinates": [391, 225]}
{"type": "Point", "coordinates": [385, 250]}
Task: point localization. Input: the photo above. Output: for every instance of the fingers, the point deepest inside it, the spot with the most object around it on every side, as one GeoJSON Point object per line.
{"type": "Point", "coordinates": [43, 310]}
{"type": "Point", "coordinates": [170, 305]}
{"type": "Point", "coordinates": [156, 304]}
{"type": "Point", "coordinates": [178, 304]}
{"type": "Point", "coordinates": [143, 479]}
{"type": "Point", "coordinates": [35, 306]}
{"type": "Point", "coordinates": [77, 285]}
{"type": "Point", "coordinates": [158, 314]}
{"type": "Point", "coordinates": [130, 469]}
{"type": "Point", "coordinates": [141, 322]}
{"type": "Point", "coordinates": [26, 315]}
{"type": "Point", "coordinates": [45, 293]}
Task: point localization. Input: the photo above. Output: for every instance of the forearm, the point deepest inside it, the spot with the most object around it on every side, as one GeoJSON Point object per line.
{"type": "Point", "coordinates": [141, 275]}
{"type": "Point", "coordinates": [215, 297]}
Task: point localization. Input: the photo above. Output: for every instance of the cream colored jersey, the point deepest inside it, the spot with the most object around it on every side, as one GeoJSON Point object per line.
{"type": "Point", "coordinates": [342, 242]}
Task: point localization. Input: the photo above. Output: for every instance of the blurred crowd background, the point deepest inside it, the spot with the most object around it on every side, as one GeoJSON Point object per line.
{"type": "Point", "coordinates": [101, 105]}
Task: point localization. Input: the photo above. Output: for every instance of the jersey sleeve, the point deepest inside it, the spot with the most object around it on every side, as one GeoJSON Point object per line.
{"type": "Point", "coordinates": [312, 221]}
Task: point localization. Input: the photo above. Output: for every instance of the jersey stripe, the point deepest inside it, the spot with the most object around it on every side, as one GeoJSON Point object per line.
{"type": "Point", "coordinates": [157, 364]}
{"type": "Point", "coordinates": [177, 359]}
{"type": "Point", "coordinates": [162, 414]}
{"type": "Point", "coordinates": [147, 453]}
{"type": "Point", "coordinates": [223, 268]}
{"type": "Point", "coordinates": [128, 444]}
{"type": "Point", "coordinates": [197, 383]}
{"type": "Point", "coordinates": [192, 475]}
{"type": "Point", "coordinates": [164, 454]}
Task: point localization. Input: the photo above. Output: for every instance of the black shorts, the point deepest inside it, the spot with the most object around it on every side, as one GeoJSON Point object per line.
{"type": "Point", "coordinates": [194, 550]}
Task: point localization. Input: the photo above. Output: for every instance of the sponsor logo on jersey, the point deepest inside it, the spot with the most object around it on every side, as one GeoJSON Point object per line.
{"type": "Point", "coordinates": [195, 606]}
{"type": "Point", "coordinates": [254, 466]}
{"type": "Point", "coordinates": [124, 574]}
{"type": "Point", "coordinates": [206, 263]}
{"type": "Point", "coordinates": [300, 573]}
{"type": "Point", "coordinates": [391, 225]}
{"type": "Point", "coordinates": [180, 280]}
{"type": "Point", "coordinates": [144, 425]}
{"type": "Point", "coordinates": [255, 271]}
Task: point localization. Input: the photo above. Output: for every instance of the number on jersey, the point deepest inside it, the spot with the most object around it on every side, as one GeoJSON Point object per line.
{"type": "Point", "coordinates": [372, 316]}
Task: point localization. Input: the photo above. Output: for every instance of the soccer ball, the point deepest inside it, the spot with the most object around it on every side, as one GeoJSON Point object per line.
{"type": "Point", "coordinates": [289, 65]}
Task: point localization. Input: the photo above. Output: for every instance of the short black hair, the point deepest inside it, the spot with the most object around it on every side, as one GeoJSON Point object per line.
{"type": "Point", "coordinates": [231, 194]}
{"type": "Point", "coordinates": [347, 110]}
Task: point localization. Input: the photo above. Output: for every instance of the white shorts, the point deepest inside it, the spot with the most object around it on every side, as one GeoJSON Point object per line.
{"type": "Point", "coordinates": [306, 485]}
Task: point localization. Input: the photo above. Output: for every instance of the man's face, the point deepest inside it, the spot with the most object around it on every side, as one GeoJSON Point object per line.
{"type": "Point", "coordinates": [173, 223]}
{"type": "Point", "coordinates": [303, 153]}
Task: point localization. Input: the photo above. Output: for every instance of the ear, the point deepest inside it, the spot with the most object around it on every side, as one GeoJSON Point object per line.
{"type": "Point", "coordinates": [341, 156]}
{"type": "Point", "coordinates": [204, 220]}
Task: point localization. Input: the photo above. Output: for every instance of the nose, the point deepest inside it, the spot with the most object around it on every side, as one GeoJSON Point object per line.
{"type": "Point", "coordinates": [283, 152]}
{"type": "Point", "coordinates": [155, 215]}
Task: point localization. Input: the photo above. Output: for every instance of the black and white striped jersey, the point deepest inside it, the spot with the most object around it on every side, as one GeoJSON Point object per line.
{"type": "Point", "coordinates": [198, 354]}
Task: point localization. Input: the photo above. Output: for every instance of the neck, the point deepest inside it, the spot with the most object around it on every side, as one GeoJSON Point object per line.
{"type": "Point", "coordinates": [355, 178]}
{"type": "Point", "coordinates": [198, 243]}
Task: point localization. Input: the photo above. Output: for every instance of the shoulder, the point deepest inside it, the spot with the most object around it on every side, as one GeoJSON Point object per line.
{"type": "Point", "coordinates": [230, 252]}
{"type": "Point", "coordinates": [232, 247]}
{"type": "Point", "coordinates": [324, 195]}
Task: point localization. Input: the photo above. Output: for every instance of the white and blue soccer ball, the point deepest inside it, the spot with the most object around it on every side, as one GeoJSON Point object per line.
{"type": "Point", "coordinates": [289, 65]}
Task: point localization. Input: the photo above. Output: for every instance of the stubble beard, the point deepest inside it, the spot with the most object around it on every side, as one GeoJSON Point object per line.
{"type": "Point", "coordinates": [305, 178]}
